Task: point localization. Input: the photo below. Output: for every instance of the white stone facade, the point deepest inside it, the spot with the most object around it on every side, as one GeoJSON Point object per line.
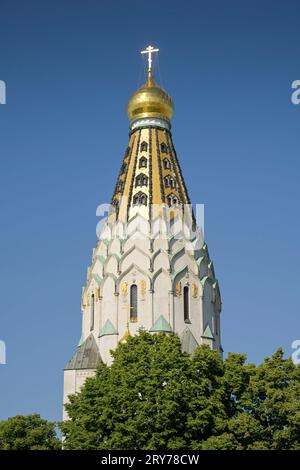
{"type": "Point", "coordinates": [144, 273]}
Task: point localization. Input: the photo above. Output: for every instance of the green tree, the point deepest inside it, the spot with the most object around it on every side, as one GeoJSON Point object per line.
{"type": "Point", "coordinates": [28, 433]}
{"type": "Point", "coordinates": [154, 396]}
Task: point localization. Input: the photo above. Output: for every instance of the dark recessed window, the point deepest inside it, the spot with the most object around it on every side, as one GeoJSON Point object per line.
{"type": "Point", "coordinates": [92, 312]}
{"type": "Point", "coordinates": [140, 199]}
{"type": "Point", "coordinates": [133, 303]}
{"type": "Point", "coordinates": [167, 164]}
{"type": "Point", "coordinates": [164, 148]}
{"type": "Point", "coordinates": [144, 146]}
{"type": "Point", "coordinates": [120, 186]}
{"type": "Point", "coordinates": [141, 180]}
{"type": "Point", "coordinates": [186, 313]}
{"type": "Point", "coordinates": [143, 162]}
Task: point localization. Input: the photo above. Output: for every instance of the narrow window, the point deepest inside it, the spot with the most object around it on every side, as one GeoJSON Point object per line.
{"type": "Point", "coordinates": [92, 312]}
{"type": "Point", "coordinates": [143, 199]}
{"type": "Point", "coordinates": [144, 146]}
{"type": "Point", "coordinates": [143, 162]}
{"type": "Point", "coordinates": [133, 303]}
{"type": "Point", "coordinates": [167, 164]}
{"type": "Point", "coordinates": [164, 148]}
{"type": "Point", "coordinates": [186, 313]}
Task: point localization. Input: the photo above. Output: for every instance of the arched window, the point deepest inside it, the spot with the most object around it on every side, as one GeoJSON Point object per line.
{"type": "Point", "coordinates": [167, 164]}
{"type": "Point", "coordinates": [133, 303]}
{"type": "Point", "coordinates": [164, 148]}
{"type": "Point", "coordinates": [143, 162]}
{"type": "Point", "coordinates": [144, 146]}
{"type": "Point", "coordinates": [172, 183]}
{"type": "Point", "coordinates": [141, 180]}
{"type": "Point", "coordinates": [167, 181]}
{"type": "Point", "coordinates": [169, 199]}
{"type": "Point", "coordinates": [143, 199]}
{"type": "Point", "coordinates": [186, 313]}
{"type": "Point", "coordinates": [140, 198]}
{"type": "Point", "coordinates": [120, 186]}
{"type": "Point", "coordinates": [92, 312]}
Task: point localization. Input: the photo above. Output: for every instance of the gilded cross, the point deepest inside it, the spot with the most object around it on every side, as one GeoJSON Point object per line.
{"type": "Point", "coordinates": [149, 50]}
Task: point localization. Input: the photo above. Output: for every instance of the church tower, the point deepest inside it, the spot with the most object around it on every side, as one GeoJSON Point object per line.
{"type": "Point", "coordinates": [150, 268]}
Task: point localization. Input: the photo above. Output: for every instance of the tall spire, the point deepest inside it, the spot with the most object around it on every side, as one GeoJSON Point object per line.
{"type": "Point", "coordinates": [160, 272]}
{"type": "Point", "coordinates": [150, 178]}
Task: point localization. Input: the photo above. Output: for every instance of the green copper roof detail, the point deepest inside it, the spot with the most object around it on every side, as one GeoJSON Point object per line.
{"type": "Point", "coordinates": [188, 341]}
{"type": "Point", "coordinates": [161, 324]}
{"type": "Point", "coordinates": [87, 355]}
{"type": "Point", "coordinates": [97, 278]}
{"type": "Point", "coordinates": [108, 329]}
{"type": "Point", "coordinates": [203, 280]}
{"type": "Point", "coordinates": [207, 333]}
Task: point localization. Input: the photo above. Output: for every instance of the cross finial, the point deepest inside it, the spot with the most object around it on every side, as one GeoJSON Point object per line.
{"type": "Point", "coordinates": [149, 50]}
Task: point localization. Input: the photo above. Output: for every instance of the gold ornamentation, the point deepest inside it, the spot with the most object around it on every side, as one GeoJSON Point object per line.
{"type": "Point", "coordinates": [97, 294]}
{"type": "Point", "coordinates": [124, 288]}
{"type": "Point", "coordinates": [143, 287]}
{"type": "Point", "coordinates": [150, 101]}
{"type": "Point", "coordinates": [194, 290]}
{"type": "Point", "coordinates": [126, 335]}
{"type": "Point", "coordinates": [178, 288]}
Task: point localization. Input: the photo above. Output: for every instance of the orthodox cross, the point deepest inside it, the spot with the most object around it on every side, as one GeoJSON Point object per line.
{"type": "Point", "coordinates": [149, 50]}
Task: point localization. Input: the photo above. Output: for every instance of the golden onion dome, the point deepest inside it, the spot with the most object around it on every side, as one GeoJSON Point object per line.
{"type": "Point", "coordinates": [150, 101]}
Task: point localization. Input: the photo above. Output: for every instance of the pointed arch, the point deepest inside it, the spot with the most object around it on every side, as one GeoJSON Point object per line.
{"type": "Point", "coordinates": [133, 303]}
{"type": "Point", "coordinates": [130, 251]}
{"type": "Point", "coordinates": [157, 273]}
{"type": "Point", "coordinates": [107, 276]}
{"type": "Point", "coordinates": [127, 271]}
{"type": "Point", "coordinates": [143, 162]}
{"type": "Point", "coordinates": [144, 146]}
{"type": "Point", "coordinates": [162, 254]}
{"type": "Point", "coordinates": [108, 260]}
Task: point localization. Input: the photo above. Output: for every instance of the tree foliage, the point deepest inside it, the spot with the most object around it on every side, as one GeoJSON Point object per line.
{"type": "Point", "coordinates": [155, 397]}
{"type": "Point", "coordinates": [28, 433]}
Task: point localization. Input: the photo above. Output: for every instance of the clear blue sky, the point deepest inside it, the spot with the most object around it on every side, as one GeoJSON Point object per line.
{"type": "Point", "coordinates": [70, 67]}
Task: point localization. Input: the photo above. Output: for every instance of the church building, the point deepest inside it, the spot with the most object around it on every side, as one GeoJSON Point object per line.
{"type": "Point", "coordinates": [150, 268]}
